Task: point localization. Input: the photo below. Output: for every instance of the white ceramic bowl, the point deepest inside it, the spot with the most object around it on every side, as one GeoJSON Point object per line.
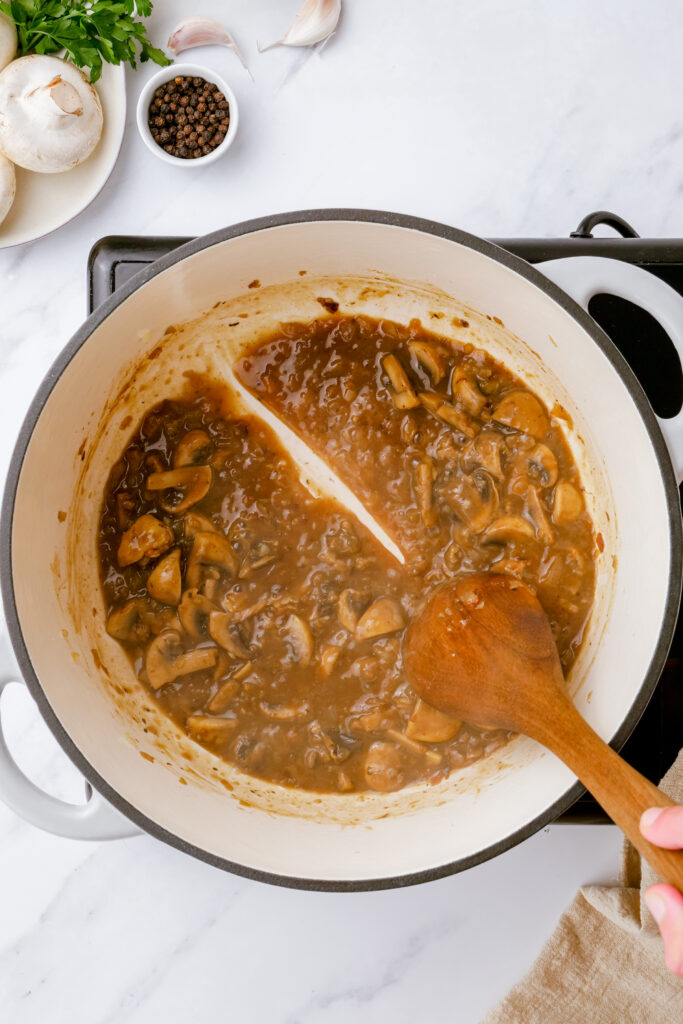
{"type": "Point", "coordinates": [167, 75]}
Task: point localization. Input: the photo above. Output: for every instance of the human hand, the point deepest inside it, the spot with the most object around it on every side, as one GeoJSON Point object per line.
{"type": "Point", "coordinates": [663, 826]}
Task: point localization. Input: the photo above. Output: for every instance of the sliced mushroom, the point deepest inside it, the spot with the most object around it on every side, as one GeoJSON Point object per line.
{"type": "Point", "coordinates": [542, 466]}
{"type": "Point", "coordinates": [191, 482]}
{"type": "Point", "coordinates": [322, 747]}
{"type": "Point", "coordinates": [194, 611]}
{"type": "Point", "coordinates": [414, 746]}
{"type": "Point", "coordinates": [405, 400]}
{"type": "Point", "coordinates": [474, 499]}
{"type": "Point", "coordinates": [300, 639]}
{"type": "Point", "coordinates": [209, 587]}
{"type": "Point", "coordinates": [130, 622]}
{"type": "Point", "coordinates": [404, 396]}
{"type": "Point", "coordinates": [223, 697]}
{"type": "Point", "coordinates": [221, 668]}
{"type": "Point", "coordinates": [430, 400]}
{"type": "Point", "coordinates": [430, 359]}
{"type": "Point", "coordinates": [195, 522]}
{"type": "Point", "coordinates": [543, 528]}
{"type": "Point", "coordinates": [397, 375]}
{"type": "Point", "coordinates": [384, 616]}
{"type": "Point", "coordinates": [349, 608]}
{"type": "Point", "coordinates": [165, 583]}
{"type": "Point", "coordinates": [371, 719]}
{"type": "Point", "coordinates": [225, 631]}
{"type": "Point", "coordinates": [329, 656]}
{"type": "Point", "coordinates": [242, 614]}
{"type": "Point", "coordinates": [448, 413]}
{"type": "Point", "coordinates": [368, 668]}
{"type": "Point", "coordinates": [567, 503]}
{"type": "Point", "coordinates": [382, 767]}
{"type": "Point", "coordinates": [263, 553]}
{"type": "Point", "coordinates": [165, 619]}
{"type": "Point", "coordinates": [165, 659]}
{"type": "Point", "coordinates": [522, 411]}
{"type": "Point", "coordinates": [192, 449]}
{"type": "Point", "coordinates": [206, 729]}
{"type": "Point", "coordinates": [509, 529]}
{"type": "Point", "coordinates": [283, 712]}
{"type": "Point", "coordinates": [425, 476]}
{"type": "Point", "coordinates": [146, 538]}
{"type": "Point", "coordinates": [429, 725]}
{"type": "Point", "coordinates": [467, 393]}
{"type": "Point", "coordinates": [485, 451]}
{"type": "Point", "coordinates": [209, 549]}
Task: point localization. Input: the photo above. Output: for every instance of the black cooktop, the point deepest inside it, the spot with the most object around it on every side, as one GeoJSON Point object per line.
{"type": "Point", "coordinates": [655, 741]}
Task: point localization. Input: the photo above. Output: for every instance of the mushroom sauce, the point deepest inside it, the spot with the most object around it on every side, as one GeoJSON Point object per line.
{"type": "Point", "coordinates": [268, 622]}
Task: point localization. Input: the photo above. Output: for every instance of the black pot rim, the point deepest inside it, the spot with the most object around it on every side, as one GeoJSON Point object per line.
{"type": "Point", "coordinates": [486, 248]}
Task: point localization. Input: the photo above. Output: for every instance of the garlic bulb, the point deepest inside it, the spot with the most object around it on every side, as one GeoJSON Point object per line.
{"type": "Point", "coordinates": [315, 22]}
{"type": "Point", "coordinates": [197, 31]}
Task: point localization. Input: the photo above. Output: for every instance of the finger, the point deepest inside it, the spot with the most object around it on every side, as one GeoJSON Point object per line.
{"type": "Point", "coordinates": [666, 906]}
{"type": "Point", "coordinates": [663, 826]}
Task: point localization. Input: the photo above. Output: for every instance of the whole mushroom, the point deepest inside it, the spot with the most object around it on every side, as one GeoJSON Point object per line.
{"type": "Point", "coordinates": [50, 115]}
{"type": "Point", "coordinates": [8, 186]}
{"type": "Point", "coordinates": [8, 41]}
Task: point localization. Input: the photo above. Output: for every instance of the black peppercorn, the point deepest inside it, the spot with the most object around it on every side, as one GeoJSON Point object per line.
{"type": "Point", "coordinates": [188, 117]}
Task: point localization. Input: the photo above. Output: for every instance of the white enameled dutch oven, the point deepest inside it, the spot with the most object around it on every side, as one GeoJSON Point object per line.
{"type": "Point", "coordinates": [194, 310]}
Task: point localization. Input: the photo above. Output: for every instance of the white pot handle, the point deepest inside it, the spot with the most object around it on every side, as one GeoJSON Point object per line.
{"type": "Point", "coordinates": [582, 277]}
{"type": "Point", "coordinates": [96, 819]}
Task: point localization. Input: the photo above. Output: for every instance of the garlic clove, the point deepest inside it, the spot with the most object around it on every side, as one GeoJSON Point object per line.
{"type": "Point", "coordinates": [315, 22]}
{"type": "Point", "coordinates": [198, 31]}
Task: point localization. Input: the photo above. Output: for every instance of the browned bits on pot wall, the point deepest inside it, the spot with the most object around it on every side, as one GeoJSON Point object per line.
{"type": "Point", "coordinates": [188, 117]}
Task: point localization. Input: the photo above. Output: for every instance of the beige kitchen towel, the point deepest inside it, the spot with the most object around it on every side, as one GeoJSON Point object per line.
{"type": "Point", "coordinates": [604, 964]}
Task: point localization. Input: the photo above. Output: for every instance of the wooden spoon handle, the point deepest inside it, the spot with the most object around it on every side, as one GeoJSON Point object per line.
{"type": "Point", "coordinates": [622, 791]}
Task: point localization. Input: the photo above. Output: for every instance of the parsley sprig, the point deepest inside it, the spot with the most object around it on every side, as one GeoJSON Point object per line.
{"type": "Point", "coordinates": [91, 31]}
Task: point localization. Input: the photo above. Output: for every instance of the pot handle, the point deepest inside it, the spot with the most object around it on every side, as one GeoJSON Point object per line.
{"type": "Point", "coordinates": [96, 819]}
{"type": "Point", "coordinates": [582, 277]}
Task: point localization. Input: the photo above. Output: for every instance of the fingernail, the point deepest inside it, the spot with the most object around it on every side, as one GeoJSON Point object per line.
{"type": "Point", "coordinates": [656, 904]}
{"type": "Point", "coordinates": [649, 817]}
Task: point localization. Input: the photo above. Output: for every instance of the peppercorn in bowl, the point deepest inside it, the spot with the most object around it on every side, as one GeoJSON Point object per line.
{"type": "Point", "coordinates": [187, 115]}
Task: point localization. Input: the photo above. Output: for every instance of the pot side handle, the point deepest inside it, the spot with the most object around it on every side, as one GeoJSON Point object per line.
{"type": "Point", "coordinates": [582, 277]}
{"type": "Point", "coordinates": [94, 820]}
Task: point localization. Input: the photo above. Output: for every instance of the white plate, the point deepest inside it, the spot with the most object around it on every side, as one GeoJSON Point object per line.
{"type": "Point", "coordinates": [46, 201]}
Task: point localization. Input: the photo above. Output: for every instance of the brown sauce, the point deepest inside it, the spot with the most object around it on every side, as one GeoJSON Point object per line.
{"type": "Point", "coordinates": [268, 623]}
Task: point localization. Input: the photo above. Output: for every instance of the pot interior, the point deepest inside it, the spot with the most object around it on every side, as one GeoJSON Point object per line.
{"type": "Point", "coordinates": [199, 314]}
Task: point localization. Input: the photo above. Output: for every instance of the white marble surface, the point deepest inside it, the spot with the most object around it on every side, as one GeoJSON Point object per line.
{"type": "Point", "coordinates": [503, 119]}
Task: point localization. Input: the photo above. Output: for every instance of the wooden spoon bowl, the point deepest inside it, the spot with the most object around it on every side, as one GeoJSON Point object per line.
{"type": "Point", "coordinates": [483, 650]}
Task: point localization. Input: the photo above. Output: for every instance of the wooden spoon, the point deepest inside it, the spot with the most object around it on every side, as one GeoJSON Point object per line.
{"type": "Point", "coordinates": [483, 650]}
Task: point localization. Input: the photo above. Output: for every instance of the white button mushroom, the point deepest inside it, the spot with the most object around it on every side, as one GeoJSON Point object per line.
{"type": "Point", "coordinates": [50, 115]}
{"type": "Point", "coordinates": [8, 41]}
{"type": "Point", "coordinates": [8, 186]}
